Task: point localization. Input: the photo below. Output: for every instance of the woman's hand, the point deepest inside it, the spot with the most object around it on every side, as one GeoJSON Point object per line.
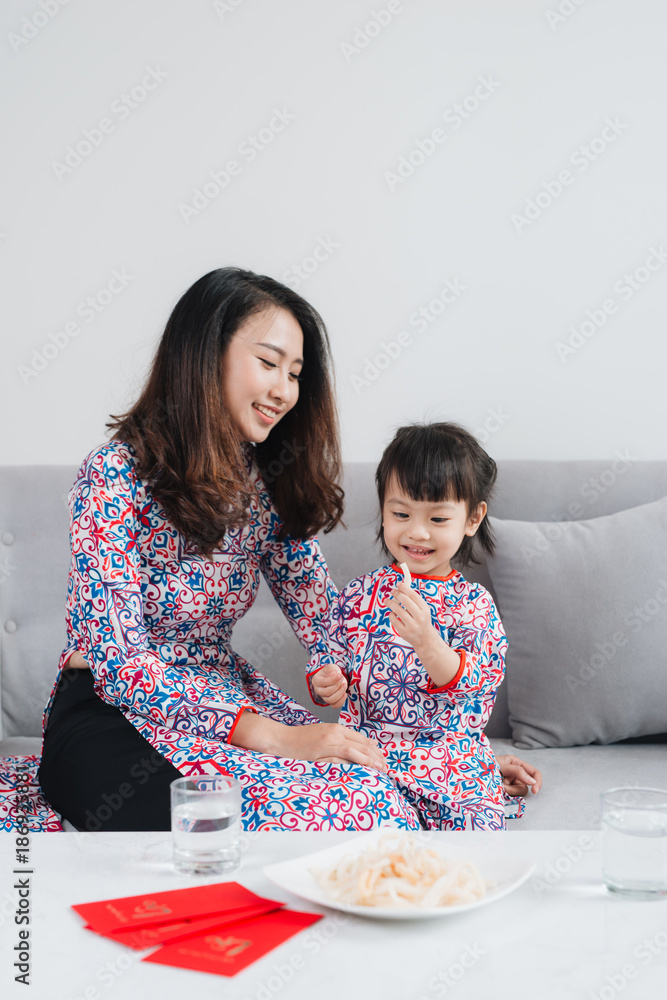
{"type": "Point", "coordinates": [322, 742]}
{"type": "Point", "coordinates": [518, 776]}
{"type": "Point", "coordinates": [332, 743]}
{"type": "Point", "coordinates": [330, 685]}
{"type": "Point", "coordinates": [76, 660]}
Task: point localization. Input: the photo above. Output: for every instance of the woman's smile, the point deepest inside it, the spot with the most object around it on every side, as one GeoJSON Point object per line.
{"type": "Point", "coordinates": [264, 358]}
{"type": "Point", "coordinates": [268, 414]}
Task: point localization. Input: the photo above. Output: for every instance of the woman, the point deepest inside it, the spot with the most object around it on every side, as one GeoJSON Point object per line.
{"type": "Point", "coordinates": [172, 522]}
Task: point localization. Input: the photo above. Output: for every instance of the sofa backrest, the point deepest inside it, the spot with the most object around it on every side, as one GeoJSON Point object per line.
{"type": "Point", "coordinates": [34, 561]}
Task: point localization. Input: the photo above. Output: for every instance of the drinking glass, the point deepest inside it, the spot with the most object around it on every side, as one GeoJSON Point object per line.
{"type": "Point", "coordinates": [206, 824]}
{"type": "Point", "coordinates": [634, 841]}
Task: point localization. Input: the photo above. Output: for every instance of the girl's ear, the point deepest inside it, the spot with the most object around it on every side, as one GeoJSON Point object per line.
{"type": "Point", "coordinates": [476, 518]}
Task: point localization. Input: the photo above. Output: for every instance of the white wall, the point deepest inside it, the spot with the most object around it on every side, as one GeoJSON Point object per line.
{"type": "Point", "coordinates": [219, 71]}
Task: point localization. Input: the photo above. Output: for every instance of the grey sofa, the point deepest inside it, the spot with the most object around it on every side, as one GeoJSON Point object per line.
{"type": "Point", "coordinates": [34, 557]}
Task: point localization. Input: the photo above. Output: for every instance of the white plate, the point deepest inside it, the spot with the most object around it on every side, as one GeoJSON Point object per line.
{"type": "Point", "coordinates": [506, 873]}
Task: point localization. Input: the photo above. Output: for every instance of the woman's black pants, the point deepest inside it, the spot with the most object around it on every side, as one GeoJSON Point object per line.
{"type": "Point", "coordinates": [97, 770]}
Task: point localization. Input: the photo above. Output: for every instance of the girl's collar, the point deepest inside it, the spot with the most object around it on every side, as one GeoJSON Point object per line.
{"type": "Point", "coordinates": [425, 576]}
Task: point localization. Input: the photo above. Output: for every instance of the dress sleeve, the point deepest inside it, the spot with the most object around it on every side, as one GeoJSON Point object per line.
{"type": "Point", "coordinates": [107, 611]}
{"type": "Point", "coordinates": [337, 648]}
{"type": "Point", "coordinates": [480, 639]}
{"type": "Point", "coordinates": [299, 579]}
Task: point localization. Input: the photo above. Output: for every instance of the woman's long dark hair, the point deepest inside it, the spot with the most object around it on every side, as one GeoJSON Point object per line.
{"type": "Point", "coordinates": [186, 445]}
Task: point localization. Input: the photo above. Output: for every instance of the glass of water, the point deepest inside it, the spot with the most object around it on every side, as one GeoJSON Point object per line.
{"type": "Point", "coordinates": [206, 824]}
{"type": "Point", "coordinates": [634, 841]}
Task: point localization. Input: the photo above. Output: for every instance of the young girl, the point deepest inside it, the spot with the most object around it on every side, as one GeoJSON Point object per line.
{"type": "Point", "coordinates": [416, 657]}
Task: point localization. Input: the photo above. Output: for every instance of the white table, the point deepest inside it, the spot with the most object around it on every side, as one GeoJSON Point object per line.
{"type": "Point", "coordinates": [560, 936]}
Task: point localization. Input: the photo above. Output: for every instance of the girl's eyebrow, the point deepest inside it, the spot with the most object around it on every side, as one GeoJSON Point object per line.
{"type": "Point", "coordinates": [279, 350]}
{"type": "Point", "coordinates": [408, 503]}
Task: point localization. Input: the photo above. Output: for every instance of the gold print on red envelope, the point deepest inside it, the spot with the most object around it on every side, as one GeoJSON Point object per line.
{"type": "Point", "coordinates": [146, 910]}
{"type": "Point", "coordinates": [150, 908]}
{"type": "Point", "coordinates": [177, 930]}
{"type": "Point", "coordinates": [228, 954]}
{"type": "Point", "coordinates": [221, 928]}
{"type": "Point", "coordinates": [231, 946]}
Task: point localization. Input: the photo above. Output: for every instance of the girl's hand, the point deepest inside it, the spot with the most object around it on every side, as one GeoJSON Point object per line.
{"type": "Point", "coordinates": [518, 776]}
{"type": "Point", "coordinates": [330, 685]}
{"type": "Point", "coordinates": [411, 616]}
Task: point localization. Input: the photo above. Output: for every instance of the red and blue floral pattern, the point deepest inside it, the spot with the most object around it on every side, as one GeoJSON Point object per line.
{"type": "Point", "coordinates": [432, 737]}
{"type": "Point", "coordinates": [22, 803]}
{"type": "Point", "coordinates": [154, 621]}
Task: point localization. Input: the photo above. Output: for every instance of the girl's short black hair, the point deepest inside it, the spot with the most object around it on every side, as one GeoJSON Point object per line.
{"type": "Point", "coordinates": [437, 462]}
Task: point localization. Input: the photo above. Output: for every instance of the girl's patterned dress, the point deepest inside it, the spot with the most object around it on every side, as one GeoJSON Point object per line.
{"type": "Point", "coordinates": [432, 737]}
{"type": "Point", "coordinates": [154, 622]}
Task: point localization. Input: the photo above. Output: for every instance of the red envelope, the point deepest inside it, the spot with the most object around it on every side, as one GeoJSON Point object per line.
{"type": "Point", "coordinates": [152, 909]}
{"type": "Point", "coordinates": [149, 937]}
{"type": "Point", "coordinates": [235, 947]}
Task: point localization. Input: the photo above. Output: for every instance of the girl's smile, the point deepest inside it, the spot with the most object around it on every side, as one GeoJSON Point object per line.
{"type": "Point", "coordinates": [425, 534]}
{"type": "Point", "coordinates": [416, 553]}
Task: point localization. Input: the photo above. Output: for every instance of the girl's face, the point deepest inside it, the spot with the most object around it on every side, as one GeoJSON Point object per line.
{"type": "Point", "coordinates": [426, 535]}
{"type": "Point", "coordinates": [260, 372]}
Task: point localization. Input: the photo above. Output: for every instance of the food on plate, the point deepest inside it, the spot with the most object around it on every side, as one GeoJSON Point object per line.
{"type": "Point", "coordinates": [397, 872]}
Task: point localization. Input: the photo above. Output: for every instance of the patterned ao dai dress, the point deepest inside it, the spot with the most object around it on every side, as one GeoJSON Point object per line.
{"type": "Point", "coordinates": [154, 622]}
{"type": "Point", "coordinates": [432, 737]}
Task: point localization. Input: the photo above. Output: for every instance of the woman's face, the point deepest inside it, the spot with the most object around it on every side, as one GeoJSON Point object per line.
{"type": "Point", "coordinates": [260, 372]}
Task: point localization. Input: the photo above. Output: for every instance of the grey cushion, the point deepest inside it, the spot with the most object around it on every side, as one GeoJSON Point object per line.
{"type": "Point", "coordinates": [584, 605]}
